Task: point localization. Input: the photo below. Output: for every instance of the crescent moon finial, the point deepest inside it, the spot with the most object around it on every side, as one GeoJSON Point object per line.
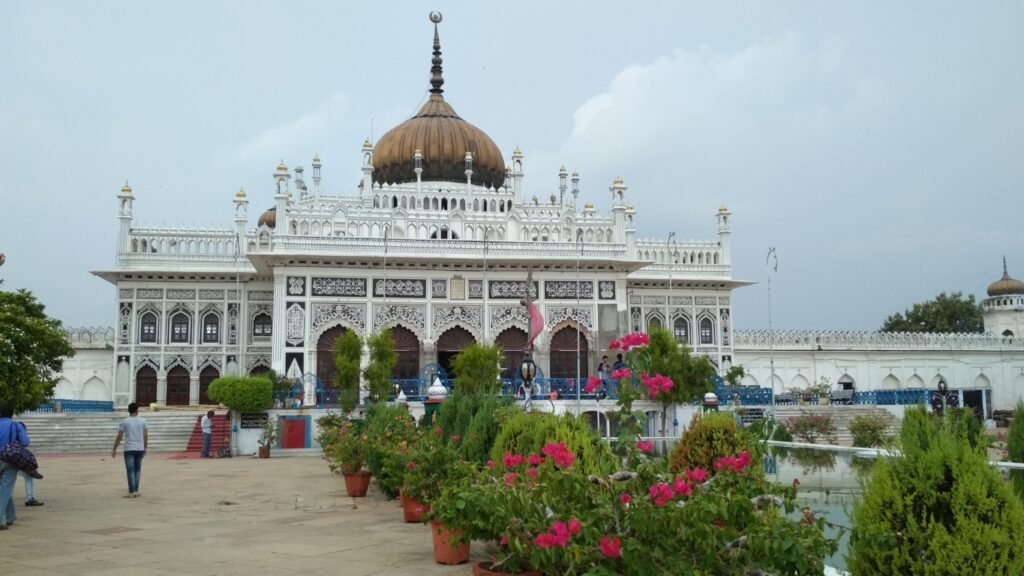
{"type": "Point", "coordinates": [435, 17]}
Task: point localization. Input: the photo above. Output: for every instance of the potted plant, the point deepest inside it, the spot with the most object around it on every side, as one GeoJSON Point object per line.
{"type": "Point", "coordinates": [345, 447]}
{"type": "Point", "coordinates": [268, 437]}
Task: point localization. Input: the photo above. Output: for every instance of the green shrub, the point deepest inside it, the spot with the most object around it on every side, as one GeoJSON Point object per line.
{"type": "Point", "coordinates": [872, 430]}
{"type": "Point", "coordinates": [479, 436]}
{"type": "Point", "coordinates": [809, 427]}
{"type": "Point", "coordinates": [348, 350]}
{"type": "Point", "coordinates": [477, 369]}
{"type": "Point", "coordinates": [529, 432]}
{"type": "Point", "coordinates": [937, 509]}
{"type": "Point", "coordinates": [965, 423]}
{"type": "Point", "coordinates": [708, 438]}
{"type": "Point", "coordinates": [381, 367]}
{"type": "Point", "coordinates": [389, 430]}
{"type": "Point", "coordinates": [1015, 448]}
{"type": "Point", "coordinates": [242, 393]}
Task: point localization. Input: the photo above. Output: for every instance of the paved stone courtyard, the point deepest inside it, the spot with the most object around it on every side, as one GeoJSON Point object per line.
{"type": "Point", "coordinates": [210, 517]}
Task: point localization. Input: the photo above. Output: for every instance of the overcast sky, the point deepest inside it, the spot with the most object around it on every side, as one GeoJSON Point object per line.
{"type": "Point", "coordinates": [879, 146]}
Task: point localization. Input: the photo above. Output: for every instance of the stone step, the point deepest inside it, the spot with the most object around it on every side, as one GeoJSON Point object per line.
{"type": "Point", "coordinates": [95, 432]}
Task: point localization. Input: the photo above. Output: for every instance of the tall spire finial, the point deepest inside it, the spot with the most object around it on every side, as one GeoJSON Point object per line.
{"type": "Point", "coordinates": [436, 80]}
{"type": "Point", "coordinates": [1005, 274]}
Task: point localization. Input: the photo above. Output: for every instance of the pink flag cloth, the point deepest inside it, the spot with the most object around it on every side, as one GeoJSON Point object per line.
{"type": "Point", "coordinates": [536, 322]}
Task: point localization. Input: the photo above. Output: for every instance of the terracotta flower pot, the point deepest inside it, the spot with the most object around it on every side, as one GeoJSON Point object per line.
{"type": "Point", "coordinates": [444, 552]}
{"type": "Point", "coordinates": [357, 483]}
{"type": "Point", "coordinates": [484, 569]}
{"type": "Point", "coordinates": [413, 509]}
{"type": "Point", "coordinates": [264, 452]}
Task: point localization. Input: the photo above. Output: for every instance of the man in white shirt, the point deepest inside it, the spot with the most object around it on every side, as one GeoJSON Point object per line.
{"type": "Point", "coordinates": [136, 441]}
{"type": "Point", "coordinates": [207, 425]}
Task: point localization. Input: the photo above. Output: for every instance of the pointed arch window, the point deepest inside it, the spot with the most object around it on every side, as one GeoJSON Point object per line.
{"type": "Point", "coordinates": [211, 329]}
{"type": "Point", "coordinates": [147, 328]}
{"type": "Point", "coordinates": [179, 328]}
{"type": "Point", "coordinates": [707, 331]}
{"type": "Point", "coordinates": [262, 326]}
{"type": "Point", "coordinates": [681, 330]}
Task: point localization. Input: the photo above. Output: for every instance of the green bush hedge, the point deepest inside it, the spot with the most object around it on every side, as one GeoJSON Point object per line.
{"type": "Point", "coordinates": [937, 509]}
{"type": "Point", "coordinates": [1015, 448]}
{"type": "Point", "coordinates": [872, 430]}
{"type": "Point", "coordinates": [526, 433]}
{"type": "Point", "coordinates": [708, 438]}
{"type": "Point", "coordinates": [242, 393]}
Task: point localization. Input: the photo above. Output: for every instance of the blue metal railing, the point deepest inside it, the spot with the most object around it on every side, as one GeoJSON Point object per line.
{"type": "Point", "coordinates": [75, 406]}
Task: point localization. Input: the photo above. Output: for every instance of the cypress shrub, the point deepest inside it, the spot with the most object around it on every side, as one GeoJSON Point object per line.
{"type": "Point", "coordinates": [527, 433]}
{"type": "Point", "coordinates": [1015, 448]}
{"type": "Point", "coordinates": [937, 509]}
{"type": "Point", "coordinates": [389, 430]}
{"type": "Point", "coordinates": [348, 350]}
{"type": "Point", "coordinates": [243, 393]}
{"type": "Point", "coordinates": [708, 438]}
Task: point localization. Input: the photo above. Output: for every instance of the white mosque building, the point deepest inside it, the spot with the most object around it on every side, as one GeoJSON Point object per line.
{"type": "Point", "coordinates": [436, 244]}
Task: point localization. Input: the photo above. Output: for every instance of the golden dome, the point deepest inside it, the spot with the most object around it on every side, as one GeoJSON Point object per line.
{"type": "Point", "coordinates": [442, 137]}
{"type": "Point", "coordinates": [240, 194]}
{"type": "Point", "coordinates": [618, 182]}
{"type": "Point", "coordinates": [126, 189]}
{"type": "Point", "coordinates": [281, 167]}
{"type": "Point", "coordinates": [1005, 285]}
{"type": "Point", "coordinates": [268, 218]}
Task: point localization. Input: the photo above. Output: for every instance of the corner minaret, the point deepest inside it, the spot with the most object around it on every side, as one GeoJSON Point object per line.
{"type": "Point", "coordinates": [281, 178]}
{"type": "Point", "coordinates": [241, 219]}
{"type": "Point", "coordinates": [125, 199]}
{"type": "Point", "coordinates": [367, 168]}
{"type": "Point", "coordinates": [724, 234]}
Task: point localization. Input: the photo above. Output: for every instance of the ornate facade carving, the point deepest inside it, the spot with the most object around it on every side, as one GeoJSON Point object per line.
{"type": "Point", "coordinates": [635, 320]}
{"type": "Point", "coordinates": [124, 323]}
{"type": "Point", "coordinates": [476, 289]}
{"type": "Point", "coordinates": [181, 294]}
{"type": "Point", "coordinates": [656, 300]}
{"type": "Point", "coordinates": [294, 324]}
{"type": "Point", "coordinates": [726, 332]}
{"type": "Point", "coordinates": [682, 300]}
{"type": "Point", "coordinates": [445, 316]}
{"type": "Point", "coordinates": [568, 289]}
{"type": "Point", "coordinates": [399, 288]}
{"type": "Point", "coordinates": [209, 361]}
{"type": "Point", "coordinates": [606, 290]}
{"type": "Point", "coordinates": [706, 301]}
{"type": "Point", "coordinates": [439, 288]}
{"type": "Point", "coordinates": [583, 316]}
{"type": "Point", "coordinates": [324, 314]}
{"type": "Point", "coordinates": [170, 361]}
{"type": "Point", "coordinates": [513, 290]}
{"type": "Point", "coordinates": [261, 295]}
{"type": "Point", "coordinates": [150, 293]}
{"type": "Point", "coordinates": [296, 286]}
{"type": "Point", "coordinates": [256, 361]}
{"type": "Point", "coordinates": [208, 294]}
{"type": "Point", "coordinates": [504, 316]}
{"type": "Point", "coordinates": [339, 286]}
{"type": "Point", "coordinates": [635, 299]}
{"type": "Point", "coordinates": [723, 299]}
{"type": "Point", "coordinates": [232, 295]}
{"type": "Point", "coordinates": [126, 293]}
{"type": "Point", "coordinates": [257, 309]}
{"type": "Point", "coordinates": [415, 317]}
{"type": "Point", "coordinates": [232, 324]}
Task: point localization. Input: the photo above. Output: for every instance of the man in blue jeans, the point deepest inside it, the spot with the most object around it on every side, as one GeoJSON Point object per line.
{"type": "Point", "coordinates": [136, 441]}
{"type": "Point", "coordinates": [207, 425]}
{"type": "Point", "coordinates": [10, 431]}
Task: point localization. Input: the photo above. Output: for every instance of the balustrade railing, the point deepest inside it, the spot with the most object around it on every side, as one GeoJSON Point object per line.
{"type": "Point", "coordinates": [58, 405]}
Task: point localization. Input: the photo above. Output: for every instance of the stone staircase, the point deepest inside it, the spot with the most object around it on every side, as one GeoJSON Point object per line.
{"type": "Point", "coordinates": [841, 416]}
{"type": "Point", "coordinates": [94, 432]}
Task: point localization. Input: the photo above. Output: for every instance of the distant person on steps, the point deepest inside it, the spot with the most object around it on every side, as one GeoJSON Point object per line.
{"type": "Point", "coordinates": [136, 441]}
{"type": "Point", "coordinates": [207, 425]}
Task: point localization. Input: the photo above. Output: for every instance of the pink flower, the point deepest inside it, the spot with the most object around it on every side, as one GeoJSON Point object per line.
{"type": "Point", "coordinates": [699, 475]}
{"type": "Point", "coordinates": [614, 345]}
{"type": "Point", "coordinates": [681, 488]}
{"type": "Point", "coordinates": [504, 540]}
{"type": "Point", "coordinates": [561, 533]}
{"type": "Point", "coordinates": [456, 438]}
{"type": "Point", "coordinates": [560, 454]}
{"type": "Point", "coordinates": [410, 465]}
{"type": "Point", "coordinates": [661, 494]}
{"type": "Point", "coordinates": [438, 432]}
{"type": "Point", "coordinates": [625, 499]}
{"type": "Point", "coordinates": [796, 482]}
{"type": "Point", "coordinates": [574, 526]}
{"type": "Point", "coordinates": [491, 464]}
{"type": "Point", "coordinates": [510, 478]}
{"type": "Point", "coordinates": [510, 460]}
{"type": "Point", "coordinates": [593, 383]}
{"type": "Point", "coordinates": [545, 540]}
{"type": "Point", "coordinates": [531, 472]}
{"type": "Point", "coordinates": [736, 464]}
{"type": "Point", "coordinates": [610, 546]}
{"type": "Point", "coordinates": [630, 341]}
{"type": "Point", "coordinates": [535, 459]}
{"type": "Point", "coordinates": [645, 446]}
{"type": "Point", "coordinates": [621, 373]}
{"type": "Point", "coordinates": [656, 384]}
{"type": "Point", "coordinates": [719, 524]}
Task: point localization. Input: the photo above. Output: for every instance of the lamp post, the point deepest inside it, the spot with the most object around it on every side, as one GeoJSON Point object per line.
{"type": "Point", "coordinates": [528, 370]}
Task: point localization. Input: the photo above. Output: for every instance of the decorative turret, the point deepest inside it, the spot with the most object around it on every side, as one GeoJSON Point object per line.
{"type": "Point", "coordinates": [517, 173]}
{"type": "Point", "coordinates": [367, 168]}
{"type": "Point", "coordinates": [575, 188]}
{"type": "Point", "coordinates": [1006, 285]}
{"type": "Point", "coordinates": [241, 219]}
{"type": "Point", "coordinates": [125, 198]}
{"type": "Point", "coordinates": [563, 175]}
{"type": "Point", "coordinates": [281, 198]}
{"type": "Point", "coordinates": [724, 234]}
{"type": "Point", "coordinates": [316, 174]}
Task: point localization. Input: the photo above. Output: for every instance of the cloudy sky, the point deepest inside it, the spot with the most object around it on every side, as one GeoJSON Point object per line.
{"type": "Point", "coordinates": [879, 146]}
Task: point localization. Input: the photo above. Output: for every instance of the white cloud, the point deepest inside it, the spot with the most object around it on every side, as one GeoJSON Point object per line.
{"type": "Point", "coordinates": [317, 127]}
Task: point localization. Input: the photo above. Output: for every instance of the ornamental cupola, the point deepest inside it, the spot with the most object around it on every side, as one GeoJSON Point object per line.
{"type": "Point", "coordinates": [1006, 285]}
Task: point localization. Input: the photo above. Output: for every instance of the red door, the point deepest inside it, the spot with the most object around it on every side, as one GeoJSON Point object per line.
{"type": "Point", "coordinates": [293, 433]}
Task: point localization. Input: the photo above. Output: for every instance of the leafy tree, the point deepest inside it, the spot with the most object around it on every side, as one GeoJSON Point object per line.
{"type": "Point", "coordinates": [1015, 448]}
{"type": "Point", "coordinates": [477, 369]}
{"type": "Point", "coordinates": [946, 313]}
{"type": "Point", "coordinates": [382, 364]}
{"type": "Point", "coordinates": [348, 350]}
{"type": "Point", "coordinates": [243, 393]}
{"type": "Point", "coordinates": [32, 351]}
{"type": "Point", "coordinates": [692, 376]}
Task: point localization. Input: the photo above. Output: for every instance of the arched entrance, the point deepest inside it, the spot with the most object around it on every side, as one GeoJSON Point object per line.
{"type": "Point", "coordinates": [177, 386]}
{"type": "Point", "coordinates": [145, 386]}
{"type": "Point", "coordinates": [325, 355]}
{"type": "Point", "coordinates": [513, 343]}
{"type": "Point", "coordinates": [207, 375]}
{"type": "Point", "coordinates": [407, 347]}
{"type": "Point", "coordinates": [563, 354]}
{"type": "Point", "coordinates": [450, 344]}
